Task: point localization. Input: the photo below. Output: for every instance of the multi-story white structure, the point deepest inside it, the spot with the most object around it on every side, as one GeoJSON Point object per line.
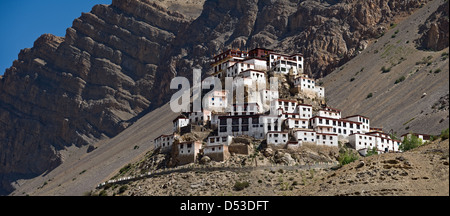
{"type": "Point", "coordinates": [199, 118]}
{"type": "Point", "coordinates": [258, 77]}
{"type": "Point", "coordinates": [292, 123]}
{"type": "Point", "coordinates": [259, 63]}
{"type": "Point", "coordinates": [180, 122]}
{"type": "Point", "coordinates": [327, 139]}
{"type": "Point", "coordinates": [216, 101]}
{"type": "Point", "coordinates": [241, 125]}
{"type": "Point", "coordinates": [277, 138]}
{"type": "Point", "coordinates": [225, 60]}
{"type": "Point", "coordinates": [165, 142]}
{"type": "Point", "coordinates": [268, 95]}
{"type": "Point", "coordinates": [216, 152]}
{"type": "Point", "coordinates": [238, 68]}
{"type": "Point", "coordinates": [307, 84]}
{"type": "Point", "coordinates": [270, 123]}
{"type": "Point", "coordinates": [304, 110]}
{"type": "Point", "coordinates": [219, 140]}
{"type": "Point", "coordinates": [281, 63]}
{"type": "Point", "coordinates": [287, 106]}
{"type": "Point", "coordinates": [188, 152]}
{"type": "Point", "coordinates": [423, 137]}
{"type": "Point", "coordinates": [246, 109]}
{"type": "Point", "coordinates": [365, 122]}
{"type": "Point", "coordinates": [329, 113]}
{"type": "Point", "coordinates": [341, 127]}
{"type": "Point", "coordinates": [305, 135]}
{"type": "Point", "coordinates": [289, 124]}
{"type": "Point", "coordinates": [381, 141]}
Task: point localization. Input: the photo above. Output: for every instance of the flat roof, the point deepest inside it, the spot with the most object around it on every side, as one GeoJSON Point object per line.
{"type": "Point", "coordinates": [329, 111]}
{"type": "Point", "coordinates": [277, 132]}
{"type": "Point", "coordinates": [333, 119]}
{"type": "Point", "coordinates": [287, 55]}
{"type": "Point", "coordinates": [179, 117]}
{"type": "Point", "coordinates": [357, 116]}
{"type": "Point", "coordinates": [368, 134]}
{"type": "Point", "coordinates": [415, 134]}
{"type": "Point", "coordinates": [326, 134]}
{"type": "Point", "coordinates": [164, 135]}
{"type": "Point", "coordinates": [298, 119]}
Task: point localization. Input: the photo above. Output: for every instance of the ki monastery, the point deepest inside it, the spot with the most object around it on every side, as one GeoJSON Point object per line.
{"type": "Point", "coordinates": [278, 119]}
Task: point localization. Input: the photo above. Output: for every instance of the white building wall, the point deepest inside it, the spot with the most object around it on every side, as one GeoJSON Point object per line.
{"type": "Point", "coordinates": [305, 111]}
{"type": "Point", "coordinates": [237, 68]}
{"type": "Point", "coordinates": [256, 76]}
{"type": "Point", "coordinates": [286, 105]}
{"type": "Point", "coordinates": [297, 123]}
{"type": "Point", "coordinates": [364, 141]}
{"type": "Point", "coordinates": [188, 148]}
{"type": "Point", "coordinates": [219, 140]}
{"type": "Point", "coordinates": [246, 109]}
{"type": "Point", "coordinates": [365, 127]}
{"type": "Point", "coordinates": [279, 63]}
{"type": "Point", "coordinates": [267, 96]}
{"type": "Point", "coordinates": [329, 114]}
{"type": "Point", "coordinates": [270, 123]}
{"type": "Point", "coordinates": [320, 91]}
{"type": "Point", "coordinates": [213, 149]}
{"type": "Point", "coordinates": [305, 136]}
{"type": "Point", "coordinates": [327, 139]}
{"type": "Point", "coordinates": [361, 141]}
{"type": "Point", "coordinates": [259, 64]}
{"type": "Point", "coordinates": [179, 123]}
{"type": "Point", "coordinates": [237, 126]}
{"type": "Point", "coordinates": [277, 138]}
{"type": "Point", "coordinates": [341, 127]}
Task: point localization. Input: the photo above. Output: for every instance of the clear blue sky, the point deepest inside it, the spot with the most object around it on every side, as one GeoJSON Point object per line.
{"type": "Point", "coordinates": [23, 21]}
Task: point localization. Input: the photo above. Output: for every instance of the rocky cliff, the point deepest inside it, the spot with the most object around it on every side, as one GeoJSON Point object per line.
{"type": "Point", "coordinates": [401, 87]}
{"type": "Point", "coordinates": [83, 87]}
{"type": "Point", "coordinates": [435, 34]}
{"type": "Point", "coordinates": [116, 62]}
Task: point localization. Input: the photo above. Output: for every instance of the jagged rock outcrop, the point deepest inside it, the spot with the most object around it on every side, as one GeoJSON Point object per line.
{"type": "Point", "coordinates": [328, 33]}
{"type": "Point", "coordinates": [116, 62]}
{"type": "Point", "coordinates": [435, 31]}
{"type": "Point", "coordinates": [83, 87]}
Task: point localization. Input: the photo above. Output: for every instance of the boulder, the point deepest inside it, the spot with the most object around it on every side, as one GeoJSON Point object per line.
{"type": "Point", "coordinates": [205, 160]}
{"type": "Point", "coordinates": [268, 152]}
{"type": "Point", "coordinates": [360, 164]}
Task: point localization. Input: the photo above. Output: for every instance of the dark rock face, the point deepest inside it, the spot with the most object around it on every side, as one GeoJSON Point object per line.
{"type": "Point", "coordinates": [81, 88]}
{"type": "Point", "coordinates": [116, 63]}
{"type": "Point", "coordinates": [435, 31]}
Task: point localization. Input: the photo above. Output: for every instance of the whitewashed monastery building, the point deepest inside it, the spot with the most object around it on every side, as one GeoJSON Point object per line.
{"type": "Point", "coordinates": [288, 124]}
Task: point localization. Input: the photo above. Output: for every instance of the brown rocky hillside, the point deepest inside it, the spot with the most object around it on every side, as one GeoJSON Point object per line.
{"type": "Point", "coordinates": [420, 172]}
{"type": "Point", "coordinates": [115, 64]}
{"type": "Point", "coordinates": [394, 82]}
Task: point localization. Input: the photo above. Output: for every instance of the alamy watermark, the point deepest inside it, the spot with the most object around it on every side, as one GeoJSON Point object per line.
{"type": "Point", "coordinates": [237, 91]}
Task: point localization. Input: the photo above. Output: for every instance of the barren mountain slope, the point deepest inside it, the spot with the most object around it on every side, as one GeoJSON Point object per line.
{"type": "Point", "coordinates": [81, 171]}
{"type": "Point", "coordinates": [412, 92]}
{"type": "Point", "coordinates": [421, 172]}
{"type": "Point", "coordinates": [116, 62]}
{"type": "Point", "coordinates": [89, 85]}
